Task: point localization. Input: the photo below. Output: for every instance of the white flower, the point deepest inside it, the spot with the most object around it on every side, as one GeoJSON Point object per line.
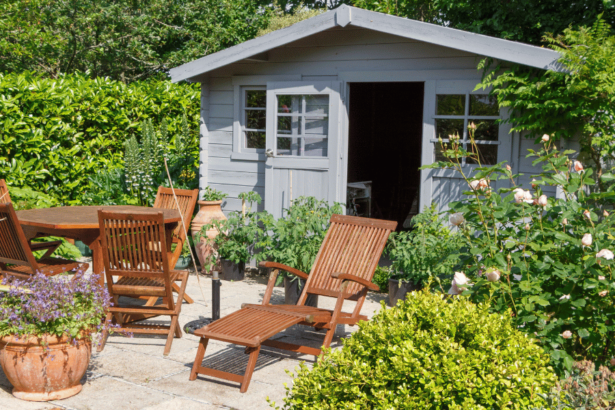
{"type": "Point", "coordinates": [528, 197]}
{"type": "Point", "coordinates": [508, 168]}
{"type": "Point", "coordinates": [601, 277]}
{"type": "Point", "coordinates": [527, 227]}
{"type": "Point", "coordinates": [603, 293]}
{"type": "Point", "coordinates": [517, 277]}
{"type": "Point", "coordinates": [587, 239]}
{"type": "Point", "coordinates": [587, 214]}
{"type": "Point", "coordinates": [578, 166]}
{"type": "Point", "coordinates": [565, 297]}
{"type": "Point", "coordinates": [456, 219]}
{"type": "Point", "coordinates": [493, 275]}
{"type": "Point", "coordinates": [545, 138]}
{"type": "Point", "coordinates": [483, 183]}
{"type": "Point", "coordinates": [474, 184]}
{"type": "Point", "coordinates": [606, 254]}
{"type": "Point", "coordinates": [459, 283]}
{"type": "Point", "coordinates": [605, 214]}
{"type": "Point", "coordinates": [567, 334]}
{"type": "Point", "coordinates": [565, 222]}
{"type": "Point", "coordinates": [519, 195]}
{"type": "Point", "coordinates": [542, 201]}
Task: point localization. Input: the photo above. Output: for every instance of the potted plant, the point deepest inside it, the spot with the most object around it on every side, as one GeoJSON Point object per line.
{"type": "Point", "coordinates": [184, 258]}
{"type": "Point", "coordinates": [209, 210]}
{"type": "Point", "coordinates": [420, 254]}
{"type": "Point", "coordinates": [46, 329]}
{"type": "Point", "coordinates": [295, 240]}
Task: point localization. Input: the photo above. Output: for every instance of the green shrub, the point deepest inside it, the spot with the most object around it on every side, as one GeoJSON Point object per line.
{"type": "Point", "coordinates": [56, 133]}
{"type": "Point", "coordinates": [429, 352]}
{"type": "Point", "coordinates": [381, 278]}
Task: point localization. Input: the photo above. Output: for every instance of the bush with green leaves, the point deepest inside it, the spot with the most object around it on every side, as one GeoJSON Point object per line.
{"type": "Point", "coordinates": [381, 277]}
{"type": "Point", "coordinates": [57, 133]}
{"type": "Point", "coordinates": [211, 194]}
{"type": "Point", "coordinates": [428, 352]}
{"type": "Point", "coordinates": [548, 260]}
{"type": "Point", "coordinates": [422, 253]}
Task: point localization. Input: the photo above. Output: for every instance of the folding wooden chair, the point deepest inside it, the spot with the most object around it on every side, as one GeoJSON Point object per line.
{"type": "Point", "coordinates": [4, 192]}
{"type": "Point", "coordinates": [187, 201]}
{"type": "Point", "coordinates": [343, 269]}
{"type": "Point", "coordinates": [16, 257]}
{"type": "Point", "coordinates": [135, 269]}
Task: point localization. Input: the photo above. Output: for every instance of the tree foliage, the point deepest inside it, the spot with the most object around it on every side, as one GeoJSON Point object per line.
{"type": "Point", "coordinates": [121, 39]}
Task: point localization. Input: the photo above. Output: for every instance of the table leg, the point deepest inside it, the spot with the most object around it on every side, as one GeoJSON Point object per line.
{"type": "Point", "coordinates": [98, 264]}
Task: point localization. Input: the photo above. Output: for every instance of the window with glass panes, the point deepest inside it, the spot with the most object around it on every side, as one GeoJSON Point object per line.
{"type": "Point", "coordinates": [302, 125]}
{"type": "Point", "coordinates": [454, 112]}
{"type": "Point", "coordinates": [254, 117]}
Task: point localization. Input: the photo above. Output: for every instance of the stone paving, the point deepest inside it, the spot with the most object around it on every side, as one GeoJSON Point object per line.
{"type": "Point", "coordinates": [132, 373]}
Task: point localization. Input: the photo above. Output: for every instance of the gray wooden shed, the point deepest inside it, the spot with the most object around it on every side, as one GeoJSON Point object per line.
{"type": "Point", "coordinates": [351, 103]}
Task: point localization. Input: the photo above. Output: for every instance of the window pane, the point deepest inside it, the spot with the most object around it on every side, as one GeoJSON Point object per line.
{"type": "Point", "coordinates": [318, 126]}
{"type": "Point", "coordinates": [444, 128]}
{"type": "Point", "coordinates": [317, 104]}
{"type": "Point", "coordinates": [289, 125]}
{"type": "Point", "coordinates": [289, 103]}
{"type": "Point", "coordinates": [289, 146]}
{"type": "Point", "coordinates": [256, 98]}
{"type": "Point", "coordinates": [488, 154]}
{"type": "Point", "coordinates": [486, 130]}
{"type": "Point", "coordinates": [451, 104]}
{"type": "Point", "coordinates": [315, 147]}
{"type": "Point", "coordinates": [255, 139]}
{"type": "Point", "coordinates": [256, 119]}
{"type": "Point", "coordinates": [438, 152]}
{"type": "Point", "coordinates": [484, 105]}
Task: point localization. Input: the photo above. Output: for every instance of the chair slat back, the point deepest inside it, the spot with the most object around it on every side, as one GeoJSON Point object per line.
{"type": "Point", "coordinates": [14, 248]}
{"type": "Point", "coordinates": [133, 245]}
{"type": "Point", "coordinates": [352, 245]}
{"type": "Point", "coordinates": [187, 201]}
{"type": "Point", "coordinates": [4, 192]}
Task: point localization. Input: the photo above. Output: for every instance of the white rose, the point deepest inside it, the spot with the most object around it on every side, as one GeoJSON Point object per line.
{"type": "Point", "coordinates": [508, 168]}
{"type": "Point", "coordinates": [459, 283]}
{"type": "Point", "coordinates": [606, 254]}
{"type": "Point", "coordinates": [474, 184]}
{"type": "Point", "coordinates": [565, 297]}
{"type": "Point", "coordinates": [542, 201]}
{"type": "Point", "coordinates": [567, 334]}
{"type": "Point", "coordinates": [483, 183]}
{"type": "Point", "coordinates": [601, 277]}
{"type": "Point", "coordinates": [587, 239]}
{"type": "Point", "coordinates": [587, 214]}
{"type": "Point", "coordinates": [578, 166]}
{"type": "Point", "coordinates": [456, 219]}
{"type": "Point", "coordinates": [545, 138]}
{"type": "Point", "coordinates": [519, 195]}
{"type": "Point", "coordinates": [605, 214]}
{"type": "Point", "coordinates": [493, 275]}
{"type": "Point", "coordinates": [527, 197]}
{"type": "Point", "coordinates": [603, 293]}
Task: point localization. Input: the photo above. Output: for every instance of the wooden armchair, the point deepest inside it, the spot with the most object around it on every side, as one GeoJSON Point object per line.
{"type": "Point", "coordinates": [187, 201]}
{"type": "Point", "coordinates": [16, 257]}
{"type": "Point", "coordinates": [343, 269]}
{"type": "Point", "coordinates": [135, 269]}
{"type": "Point", "coordinates": [4, 192]}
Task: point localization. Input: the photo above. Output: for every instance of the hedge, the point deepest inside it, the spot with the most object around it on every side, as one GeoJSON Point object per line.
{"type": "Point", "coordinates": [56, 133]}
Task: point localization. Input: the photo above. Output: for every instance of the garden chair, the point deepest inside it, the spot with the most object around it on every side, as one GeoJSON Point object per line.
{"type": "Point", "coordinates": [136, 269]}
{"type": "Point", "coordinates": [343, 269]}
{"type": "Point", "coordinates": [4, 192]}
{"type": "Point", "coordinates": [187, 201]}
{"type": "Point", "coordinates": [16, 257]}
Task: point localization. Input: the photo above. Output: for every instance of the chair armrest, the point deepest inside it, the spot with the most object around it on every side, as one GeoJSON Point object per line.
{"type": "Point", "coordinates": [283, 267]}
{"type": "Point", "coordinates": [360, 281]}
{"type": "Point", "coordinates": [44, 245]}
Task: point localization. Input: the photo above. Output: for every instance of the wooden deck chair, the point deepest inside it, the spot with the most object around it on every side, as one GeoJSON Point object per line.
{"type": "Point", "coordinates": [187, 201]}
{"type": "Point", "coordinates": [16, 257]}
{"type": "Point", "coordinates": [343, 269]}
{"type": "Point", "coordinates": [4, 192]}
{"type": "Point", "coordinates": [134, 268]}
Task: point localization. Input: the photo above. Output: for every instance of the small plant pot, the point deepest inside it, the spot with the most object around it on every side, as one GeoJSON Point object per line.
{"type": "Point", "coordinates": [39, 374]}
{"type": "Point", "coordinates": [183, 262]}
{"type": "Point", "coordinates": [232, 271]}
{"type": "Point", "coordinates": [398, 290]}
{"type": "Point", "coordinates": [292, 293]}
{"type": "Point", "coordinates": [83, 248]}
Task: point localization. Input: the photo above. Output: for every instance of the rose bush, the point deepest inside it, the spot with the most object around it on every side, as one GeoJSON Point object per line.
{"type": "Point", "coordinates": [547, 260]}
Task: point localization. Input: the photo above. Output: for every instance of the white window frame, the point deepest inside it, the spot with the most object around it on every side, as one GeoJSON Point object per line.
{"type": "Point", "coordinates": [242, 119]}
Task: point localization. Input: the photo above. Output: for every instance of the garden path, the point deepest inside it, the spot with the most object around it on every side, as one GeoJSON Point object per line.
{"type": "Point", "coordinates": [132, 374]}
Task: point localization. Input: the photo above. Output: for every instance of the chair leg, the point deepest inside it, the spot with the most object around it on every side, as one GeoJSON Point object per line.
{"type": "Point", "coordinates": [167, 347]}
{"type": "Point", "coordinates": [328, 338]}
{"type": "Point", "coordinates": [105, 333]}
{"type": "Point", "coordinates": [200, 353]}
{"type": "Point", "coordinates": [178, 331]}
{"type": "Point", "coordinates": [187, 298]}
{"type": "Point", "coordinates": [254, 351]}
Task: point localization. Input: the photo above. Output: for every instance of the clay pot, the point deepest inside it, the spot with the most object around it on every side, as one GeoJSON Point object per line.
{"type": "Point", "coordinates": [209, 211]}
{"type": "Point", "coordinates": [44, 374]}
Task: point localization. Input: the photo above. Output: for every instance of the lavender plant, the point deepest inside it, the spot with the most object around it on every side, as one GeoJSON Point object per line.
{"type": "Point", "coordinates": [60, 305]}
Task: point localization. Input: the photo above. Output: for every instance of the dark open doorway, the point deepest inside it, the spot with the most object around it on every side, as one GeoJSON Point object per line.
{"type": "Point", "coordinates": [384, 150]}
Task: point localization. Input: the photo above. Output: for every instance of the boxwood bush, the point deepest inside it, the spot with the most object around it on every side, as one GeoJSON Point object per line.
{"type": "Point", "coordinates": [429, 352]}
{"type": "Point", "coordinates": [55, 133]}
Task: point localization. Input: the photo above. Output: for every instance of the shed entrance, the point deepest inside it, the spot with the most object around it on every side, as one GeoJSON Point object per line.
{"type": "Point", "coordinates": [384, 150]}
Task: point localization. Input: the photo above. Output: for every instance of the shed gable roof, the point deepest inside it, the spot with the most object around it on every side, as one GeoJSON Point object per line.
{"type": "Point", "coordinates": [343, 16]}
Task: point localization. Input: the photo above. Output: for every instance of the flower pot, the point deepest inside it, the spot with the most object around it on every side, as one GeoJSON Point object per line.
{"type": "Point", "coordinates": [83, 248]}
{"type": "Point", "coordinates": [292, 293]}
{"type": "Point", "coordinates": [398, 290]}
{"type": "Point", "coordinates": [232, 271]}
{"type": "Point", "coordinates": [209, 211]}
{"type": "Point", "coordinates": [44, 374]}
{"type": "Point", "coordinates": [183, 262]}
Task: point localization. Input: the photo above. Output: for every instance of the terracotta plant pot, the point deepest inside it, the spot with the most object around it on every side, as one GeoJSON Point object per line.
{"type": "Point", "coordinates": [209, 211]}
{"type": "Point", "coordinates": [39, 374]}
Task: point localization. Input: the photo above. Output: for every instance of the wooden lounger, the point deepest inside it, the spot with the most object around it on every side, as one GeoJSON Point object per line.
{"type": "Point", "coordinates": [343, 269]}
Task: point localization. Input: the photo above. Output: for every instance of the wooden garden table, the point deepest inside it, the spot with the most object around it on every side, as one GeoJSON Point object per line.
{"type": "Point", "coordinates": [81, 222]}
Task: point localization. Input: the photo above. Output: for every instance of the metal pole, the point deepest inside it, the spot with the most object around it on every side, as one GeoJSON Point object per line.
{"type": "Point", "coordinates": [215, 296]}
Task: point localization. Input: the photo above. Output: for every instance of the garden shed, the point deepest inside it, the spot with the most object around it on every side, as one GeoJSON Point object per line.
{"type": "Point", "coordinates": [346, 106]}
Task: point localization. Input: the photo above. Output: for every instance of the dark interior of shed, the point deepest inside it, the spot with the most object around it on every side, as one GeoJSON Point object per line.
{"type": "Point", "coordinates": [384, 150]}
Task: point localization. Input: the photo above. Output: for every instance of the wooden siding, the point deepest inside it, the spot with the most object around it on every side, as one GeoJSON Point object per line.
{"type": "Point", "coordinates": [304, 183]}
